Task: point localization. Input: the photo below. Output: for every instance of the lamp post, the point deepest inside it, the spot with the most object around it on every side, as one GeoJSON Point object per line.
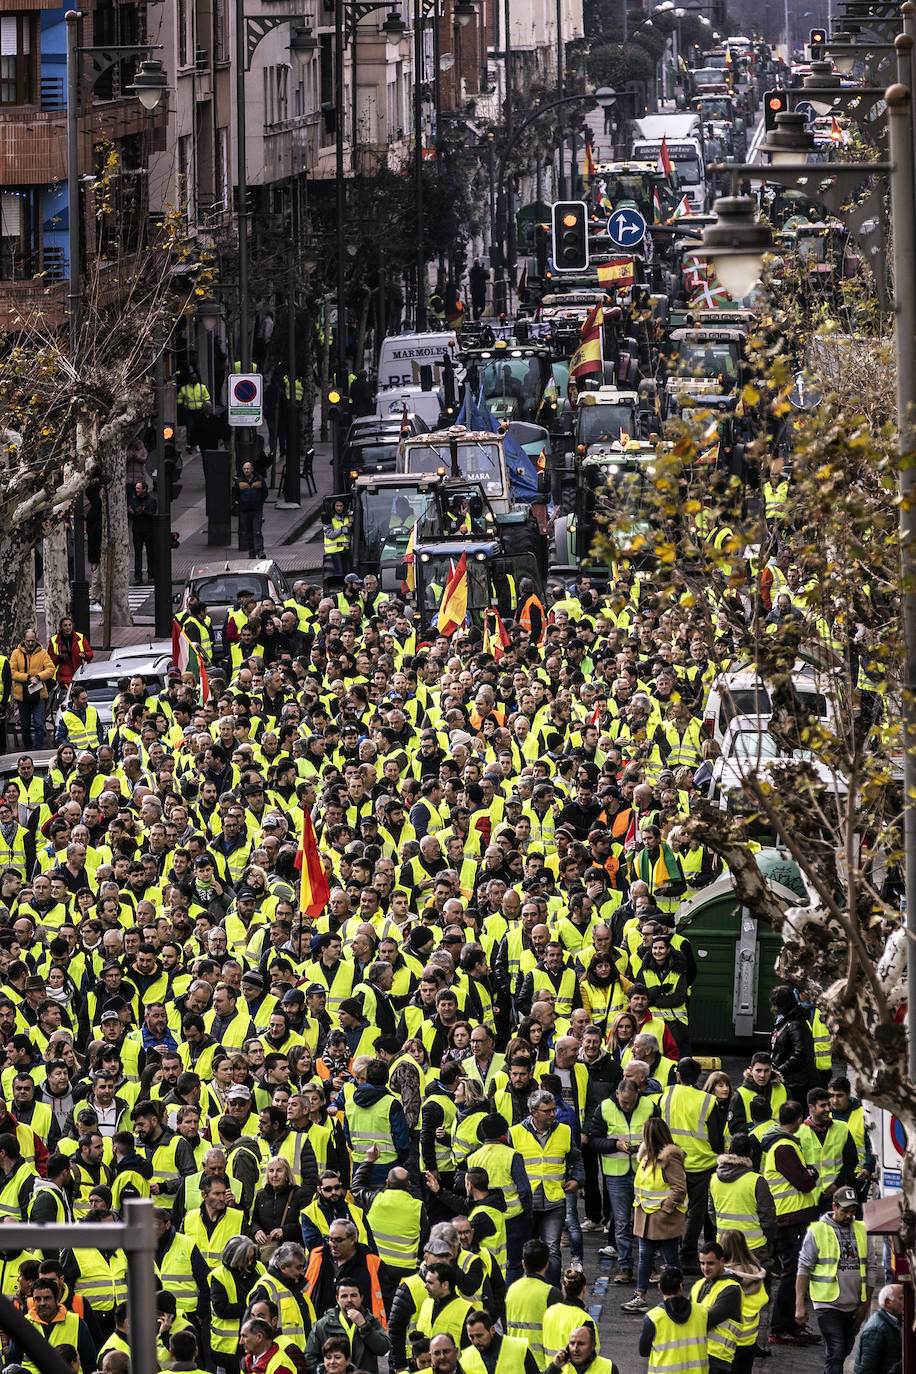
{"type": "Point", "coordinates": [85, 67]}
{"type": "Point", "coordinates": [735, 243]}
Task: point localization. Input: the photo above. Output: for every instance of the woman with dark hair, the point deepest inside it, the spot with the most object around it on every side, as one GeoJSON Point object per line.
{"type": "Point", "coordinates": [620, 1036]}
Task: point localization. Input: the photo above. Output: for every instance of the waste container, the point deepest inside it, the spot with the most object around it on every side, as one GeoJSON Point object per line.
{"type": "Point", "coordinates": [736, 957]}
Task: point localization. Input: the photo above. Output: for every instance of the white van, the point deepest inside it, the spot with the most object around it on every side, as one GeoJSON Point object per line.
{"type": "Point", "coordinates": [402, 356]}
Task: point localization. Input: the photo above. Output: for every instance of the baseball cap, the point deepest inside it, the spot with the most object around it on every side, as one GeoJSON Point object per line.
{"type": "Point", "coordinates": [353, 579]}
{"type": "Point", "coordinates": [270, 823]}
{"type": "Point", "coordinates": [108, 1016]}
{"type": "Point", "coordinates": [239, 1091]}
{"type": "Point", "coordinates": [846, 1197]}
{"type": "Point", "coordinates": [245, 894]}
{"type": "Point", "coordinates": [437, 1247]}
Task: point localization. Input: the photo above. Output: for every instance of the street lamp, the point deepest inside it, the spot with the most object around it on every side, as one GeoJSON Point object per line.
{"type": "Point", "coordinates": [85, 68]}
{"type": "Point", "coordinates": [789, 140]}
{"type": "Point", "coordinates": [737, 252]}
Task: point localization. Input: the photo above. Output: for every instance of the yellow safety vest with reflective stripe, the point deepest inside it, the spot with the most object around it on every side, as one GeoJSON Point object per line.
{"type": "Point", "coordinates": [679, 1347]}
{"type": "Point", "coordinates": [510, 1360]}
{"type": "Point", "coordinates": [211, 1246]}
{"type": "Point", "coordinates": [337, 535]}
{"type": "Point", "coordinates": [12, 855]}
{"type": "Point", "coordinates": [445, 1160]}
{"type": "Point", "coordinates": [96, 1282]}
{"type": "Point", "coordinates": [723, 1338]}
{"type": "Point", "coordinates": [825, 1156]}
{"type": "Point", "coordinates": [164, 1164]}
{"type": "Point", "coordinates": [496, 1158]}
{"type": "Point", "coordinates": [774, 498]}
{"type": "Point", "coordinates": [394, 1220]}
{"type": "Point", "coordinates": [564, 995]}
{"type": "Point", "coordinates": [735, 1205]}
{"type": "Point", "coordinates": [650, 1188]}
{"type": "Point", "coordinates": [465, 1136]}
{"type": "Point", "coordinates": [66, 1332]}
{"type": "Point", "coordinates": [619, 1128]}
{"type": "Point", "coordinates": [9, 1194]}
{"type": "Point", "coordinates": [520, 959]}
{"type": "Point", "coordinates": [176, 1274]}
{"type": "Point", "coordinates": [785, 1195]}
{"type": "Point", "coordinates": [823, 1043]}
{"type": "Point", "coordinates": [526, 1304]}
{"type": "Point", "coordinates": [752, 1304]}
{"type": "Point", "coordinates": [192, 395]}
{"type": "Point", "coordinates": [545, 1165]}
{"type": "Point", "coordinates": [292, 1319]}
{"type": "Point", "coordinates": [82, 734]}
{"type": "Point", "coordinates": [496, 1245]}
{"type": "Point", "coordinates": [370, 1126]}
{"type": "Point", "coordinates": [322, 1225]}
{"type": "Point", "coordinates": [449, 1321]}
{"type": "Point", "coordinates": [224, 1331]}
{"type": "Point", "coordinates": [687, 1111]}
{"type": "Point", "coordinates": [823, 1284]}
{"type": "Point", "coordinates": [319, 1135]}
{"type": "Point", "coordinates": [560, 1320]}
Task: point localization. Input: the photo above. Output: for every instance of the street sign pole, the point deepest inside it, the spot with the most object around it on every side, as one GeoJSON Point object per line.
{"type": "Point", "coordinates": [136, 1235]}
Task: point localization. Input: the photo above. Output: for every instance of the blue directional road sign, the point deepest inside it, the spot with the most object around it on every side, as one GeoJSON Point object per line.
{"type": "Point", "coordinates": [626, 227]}
{"type": "Point", "coordinates": [804, 107]}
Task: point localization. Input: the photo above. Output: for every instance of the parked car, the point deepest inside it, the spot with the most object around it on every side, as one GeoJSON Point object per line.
{"type": "Point", "coordinates": [218, 585]}
{"type": "Point", "coordinates": [101, 679]}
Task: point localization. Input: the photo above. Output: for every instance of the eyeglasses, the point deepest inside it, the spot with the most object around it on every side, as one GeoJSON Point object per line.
{"type": "Point", "coordinates": [328, 1192]}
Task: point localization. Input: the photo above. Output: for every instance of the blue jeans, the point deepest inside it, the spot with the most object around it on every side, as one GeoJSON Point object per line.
{"type": "Point", "coordinates": [647, 1250]}
{"type": "Point", "coordinates": [620, 1231]}
{"type": "Point", "coordinates": [548, 1227]}
{"type": "Point", "coordinates": [32, 723]}
{"type": "Point", "coordinates": [576, 1247]}
{"type": "Point", "coordinates": [839, 1332]}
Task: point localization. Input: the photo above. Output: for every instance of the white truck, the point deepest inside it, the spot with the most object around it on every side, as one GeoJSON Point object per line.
{"type": "Point", "coordinates": [683, 138]}
{"type": "Point", "coordinates": [402, 358]}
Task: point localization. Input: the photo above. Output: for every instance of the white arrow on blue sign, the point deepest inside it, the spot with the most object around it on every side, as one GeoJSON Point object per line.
{"type": "Point", "coordinates": [626, 227]}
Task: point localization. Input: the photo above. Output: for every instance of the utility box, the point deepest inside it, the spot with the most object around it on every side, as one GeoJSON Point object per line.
{"type": "Point", "coordinates": [736, 957]}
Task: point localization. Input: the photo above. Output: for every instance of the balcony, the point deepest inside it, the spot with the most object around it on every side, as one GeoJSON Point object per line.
{"type": "Point", "coordinates": [33, 148]}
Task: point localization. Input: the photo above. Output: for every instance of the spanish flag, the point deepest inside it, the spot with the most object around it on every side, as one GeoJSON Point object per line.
{"type": "Point", "coordinates": [454, 605]}
{"type": "Point", "coordinates": [410, 558]}
{"type": "Point", "coordinates": [664, 161]}
{"type": "Point", "coordinates": [617, 273]}
{"type": "Point", "coordinates": [589, 356]}
{"type": "Point", "coordinates": [314, 888]}
{"type": "Point", "coordinates": [496, 640]}
{"type": "Point", "coordinates": [588, 162]}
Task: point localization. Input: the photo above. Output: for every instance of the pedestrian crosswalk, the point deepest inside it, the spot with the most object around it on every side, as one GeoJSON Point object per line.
{"type": "Point", "coordinates": [137, 597]}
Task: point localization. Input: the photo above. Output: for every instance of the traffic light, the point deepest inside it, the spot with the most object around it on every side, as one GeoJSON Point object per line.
{"type": "Point", "coordinates": [570, 235]}
{"type": "Point", "coordinates": [774, 103]}
{"type": "Point", "coordinates": [816, 40]}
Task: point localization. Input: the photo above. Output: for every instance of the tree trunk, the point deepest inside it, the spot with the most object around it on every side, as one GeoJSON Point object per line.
{"type": "Point", "coordinates": [56, 577]}
{"type": "Point", "coordinates": [116, 542]}
{"type": "Point", "coordinates": [17, 601]}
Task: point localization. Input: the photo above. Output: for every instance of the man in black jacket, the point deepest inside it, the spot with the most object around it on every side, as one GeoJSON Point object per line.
{"type": "Point", "coordinates": [792, 1044]}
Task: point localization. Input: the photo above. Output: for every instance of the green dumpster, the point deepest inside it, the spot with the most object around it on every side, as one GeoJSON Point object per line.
{"type": "Point", "coordinates": [736, 958]}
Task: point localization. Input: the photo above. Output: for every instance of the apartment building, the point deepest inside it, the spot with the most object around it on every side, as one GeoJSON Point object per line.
{"type": "Point", "coordinates": [34, 210]}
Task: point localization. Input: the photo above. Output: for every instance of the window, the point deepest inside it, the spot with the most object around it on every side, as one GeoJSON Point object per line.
{"type": "Point", "coordinates": [185, 48]}
{"type": "Point", "coordinates": [282, 92]}
{"type": "Point", "coordinates": [222, 168]}
{"type": "Point", "coordinates": [186, 175]}
{"type": "Point", "coordinates": [221, 27]}
{"type": "Point", "coordinates": [16, 59]}
{"type": "Point", "coordinates": [19, 229]}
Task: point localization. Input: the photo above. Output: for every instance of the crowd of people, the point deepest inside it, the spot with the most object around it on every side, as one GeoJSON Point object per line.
{"type": "Point", "coordinates": [377, 1126]}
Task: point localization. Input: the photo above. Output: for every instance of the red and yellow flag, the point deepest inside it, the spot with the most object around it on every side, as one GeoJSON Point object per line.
{"type": "Point", "coordinates": [588, 162]}
{"type": "Point", "coordinates": [617, 273]}
{"type": "Point", "coordinates": [410, 558]}
{"type": "Point", "coordinates": [542, 460]}
{"type": "Point", "coordinates": [454, 605]}
{"type": "Point", "coordinates": [314, 888]}
{"type": "Point", "coordinates": [589, 356]}
{"type": "Point", "coordinates": [496, 640]}
{"type": "Point", "coordinates": [664, 161]}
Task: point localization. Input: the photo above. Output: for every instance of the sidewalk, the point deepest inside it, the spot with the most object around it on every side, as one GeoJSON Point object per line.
{"type": "Point", "coordinates": [291, 537]}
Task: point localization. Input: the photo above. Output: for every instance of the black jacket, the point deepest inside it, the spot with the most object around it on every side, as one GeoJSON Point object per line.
{"type": "Point", "coordinates": [792, 1052]}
